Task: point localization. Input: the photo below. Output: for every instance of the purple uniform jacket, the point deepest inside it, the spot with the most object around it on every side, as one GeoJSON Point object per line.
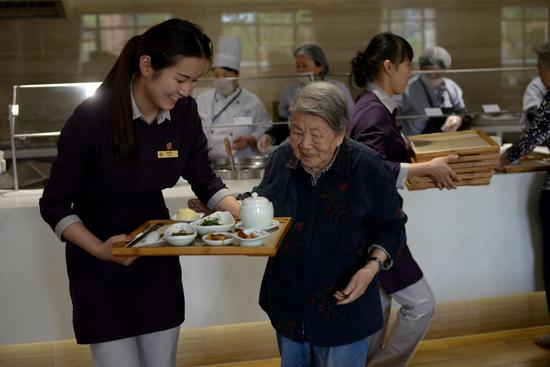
{"type": "Point", "coordinates": [113, 196]}
{"type": "Point", "coordinates": [372, 124]}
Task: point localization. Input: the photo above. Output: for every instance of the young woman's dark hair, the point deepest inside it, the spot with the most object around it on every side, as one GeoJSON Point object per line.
{"type": "Point", "coordinates": [165, 44]}
{"type": "Point", "coordinates": [384, 46]}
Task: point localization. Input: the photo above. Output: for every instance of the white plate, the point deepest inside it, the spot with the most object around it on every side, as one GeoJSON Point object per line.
{"type": "Point", "coordinates": [257, 241]}
{"type": "Point", "coordinates": [219, 242]}
{"type": "Point", "coordinates": [225, 218]}
{"type": "Point", "coordinates": [180, 240]}
{"type": "Point", "coordinates": [175, 218]}
{"type": "Point", "coordinates": [274, 224]}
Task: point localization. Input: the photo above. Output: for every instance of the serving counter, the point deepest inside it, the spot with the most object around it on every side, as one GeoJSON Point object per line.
{"type": "Point", "coordinates": [471, 242]}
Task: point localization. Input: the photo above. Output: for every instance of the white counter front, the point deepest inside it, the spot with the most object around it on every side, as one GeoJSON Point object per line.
{"type": "Point", "coordinates": [471, 242]}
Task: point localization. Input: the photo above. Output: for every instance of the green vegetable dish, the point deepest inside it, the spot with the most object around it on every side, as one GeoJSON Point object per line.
{"type": "Point", "coordinates": [211, 222]}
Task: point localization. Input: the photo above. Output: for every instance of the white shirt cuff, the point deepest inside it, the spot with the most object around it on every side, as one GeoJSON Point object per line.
{"type": "Point", "coordinates": [217, 197]}
{"type": "Point", "coordinates": [62, 225]}
{"type": "Point", "coordinates": [402, 175]}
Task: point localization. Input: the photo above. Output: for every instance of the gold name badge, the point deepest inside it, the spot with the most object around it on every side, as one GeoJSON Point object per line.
{"type": "Point", "coordinates": [167, 154]}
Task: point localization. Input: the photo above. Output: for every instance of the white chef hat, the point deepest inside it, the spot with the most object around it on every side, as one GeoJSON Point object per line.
{"type": "Point", "coordinates": [228, 53]}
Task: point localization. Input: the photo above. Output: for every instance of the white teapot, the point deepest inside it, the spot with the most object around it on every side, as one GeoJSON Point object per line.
{"type": "Point", "coordinates": [256, 212]}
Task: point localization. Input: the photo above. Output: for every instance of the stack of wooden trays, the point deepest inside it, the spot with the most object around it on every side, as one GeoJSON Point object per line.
{"type": "Point", "coordinates": [478, 156]}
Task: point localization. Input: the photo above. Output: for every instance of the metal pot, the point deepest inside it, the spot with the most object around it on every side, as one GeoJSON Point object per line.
{"type": "Point", "coordinates": [239, 174]}
{"type": "Point", "coordinates": [253, 162]}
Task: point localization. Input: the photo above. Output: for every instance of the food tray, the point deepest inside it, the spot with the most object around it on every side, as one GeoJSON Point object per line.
{"type": "Point", "coordinates": [478, 156]}
{"type": "Point", "coordinates": [198, 247]}
{"type": "Point", "coordinates": [432, 185]}
{"type": "Point", "coordinates": [531, 162]}
{"type": "Point", "coordinates": [469, 142]}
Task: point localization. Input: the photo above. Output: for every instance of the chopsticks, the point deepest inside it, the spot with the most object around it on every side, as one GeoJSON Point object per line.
{"type": "Point", "coordinates": [142, 236]}
{"type": "Point", "coordinates": [229, 152]}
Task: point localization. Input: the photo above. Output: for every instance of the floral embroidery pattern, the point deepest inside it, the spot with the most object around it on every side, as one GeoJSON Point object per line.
{"type": "Point", "coordinates": [292, 243]}
{"type": "Point", "coordinates": [327, 305]}
{"type": "Point", "coordinates": [334, 197]}
{"type": "Point", "coordinates": [538, 133]}
{"type": "Point", "coordinates": [361, 249]}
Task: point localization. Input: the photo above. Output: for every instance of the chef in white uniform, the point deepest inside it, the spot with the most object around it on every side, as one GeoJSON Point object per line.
{"type": "Point", "coordinates": [229, 104]}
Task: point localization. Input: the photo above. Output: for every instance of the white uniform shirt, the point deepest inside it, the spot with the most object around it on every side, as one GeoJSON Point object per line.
{"type": "Point", "coordinates": [240, 107]}
{"type": "Point", "coordinates": [532, 98]}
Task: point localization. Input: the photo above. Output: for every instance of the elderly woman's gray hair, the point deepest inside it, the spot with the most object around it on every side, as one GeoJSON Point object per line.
{"type": "Point", "coordinates": [324, 100]}
{"type": "Point", "coordinates": [543, 53]}
{"type": "Point", "coordinates": [435, 56]}
{"type": "Point", "coordinates": [316, 53]}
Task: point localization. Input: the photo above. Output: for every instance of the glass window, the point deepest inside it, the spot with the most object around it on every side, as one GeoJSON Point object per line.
{"type": "Point", "coordinates": [416, 25]}
{"type": "Point", "coordinates": [264, 33]}
{"type": "Point", "coordinates": [108, 33]}
{"type": "Point", "coordinates": [522, 28]}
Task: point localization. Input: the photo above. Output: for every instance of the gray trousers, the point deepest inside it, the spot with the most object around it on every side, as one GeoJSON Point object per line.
{"type": "Point", "coordinates": [413, 319]}
{"type": "Point", "coordinates": [156, 349]}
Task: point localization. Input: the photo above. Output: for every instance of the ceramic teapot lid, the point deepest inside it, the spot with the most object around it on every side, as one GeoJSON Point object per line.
{"type": "Point", "coordinates": [255, 200]}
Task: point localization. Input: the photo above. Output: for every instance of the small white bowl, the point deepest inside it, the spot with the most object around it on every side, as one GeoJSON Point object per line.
{"type": "Point", "coordinates": [250, 242]}
{"type": "Point", "coordinates": [180, 240]}
{"type": "Point", "coordinates": [175, 218]}
{"type": "Point", "coordinates": [228, 241]}
{"type": "Point", "coordinates": [225, 218]}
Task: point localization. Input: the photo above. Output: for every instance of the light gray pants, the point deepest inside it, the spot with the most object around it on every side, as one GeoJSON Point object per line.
{"type": "Point", "coordinates": [413, 319]}
{"type": "Point", "coordinates": [156, 349]}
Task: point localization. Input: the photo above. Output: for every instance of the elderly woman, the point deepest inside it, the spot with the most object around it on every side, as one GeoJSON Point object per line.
{"type": "Point", "coordinates": [311, 65]}
{"type": "Point", "coordinates": [347, 225]}
{"type": "Point", "coordinates": [539, 133]}
{"type": "Point", "coordinates": [432, 90]}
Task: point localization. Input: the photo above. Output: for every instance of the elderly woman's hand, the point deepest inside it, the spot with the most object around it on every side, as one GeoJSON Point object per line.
{"type": "Point", "coordinates": [357, 285]}
{"type": "Point", "coordinates": [502, 162]}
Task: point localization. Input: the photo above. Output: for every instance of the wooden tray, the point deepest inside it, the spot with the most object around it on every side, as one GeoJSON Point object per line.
{"type": "Point", "coordinates": [460, 170]}
{"type": "Point", "coordinates": [431, 185]}
{"type": "Point", "coordinates": [270, 247]}
{"type": "Point", "coordinates": [462, 176]}
{"type": "Point", "coordinates": [487, 164]}
{"type": "Point", "coordinates": [468, 142]}
{"type": "Point", "coordinates": [531, 162]}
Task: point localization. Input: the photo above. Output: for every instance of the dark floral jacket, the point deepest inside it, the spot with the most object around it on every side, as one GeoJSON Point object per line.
{"type": "Point", "coordinates": [351, 207]}
{"type": "Point", "coordinates": [538, 133]}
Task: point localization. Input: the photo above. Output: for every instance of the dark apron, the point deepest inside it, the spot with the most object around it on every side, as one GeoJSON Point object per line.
{"type": "Point", "coordinates": [113, 301]}
{"type": "Point", "coordinates": [435, 123]}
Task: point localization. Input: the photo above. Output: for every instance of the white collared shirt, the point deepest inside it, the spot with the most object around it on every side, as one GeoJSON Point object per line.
{"type": "Point", "coordinates": [136, 112]}
{"type": "Point", "coordinates": [245, 108]}
{"type": "Point", "coordinates": [384, 97]}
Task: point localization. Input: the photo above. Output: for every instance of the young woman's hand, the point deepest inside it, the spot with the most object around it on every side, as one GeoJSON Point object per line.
{"type": "Point", "coordinates": [441, 173]}
{"type": "Point", "coordinates": [199, 206]}
{"type": "Point", "coordinates": [103, 251]}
